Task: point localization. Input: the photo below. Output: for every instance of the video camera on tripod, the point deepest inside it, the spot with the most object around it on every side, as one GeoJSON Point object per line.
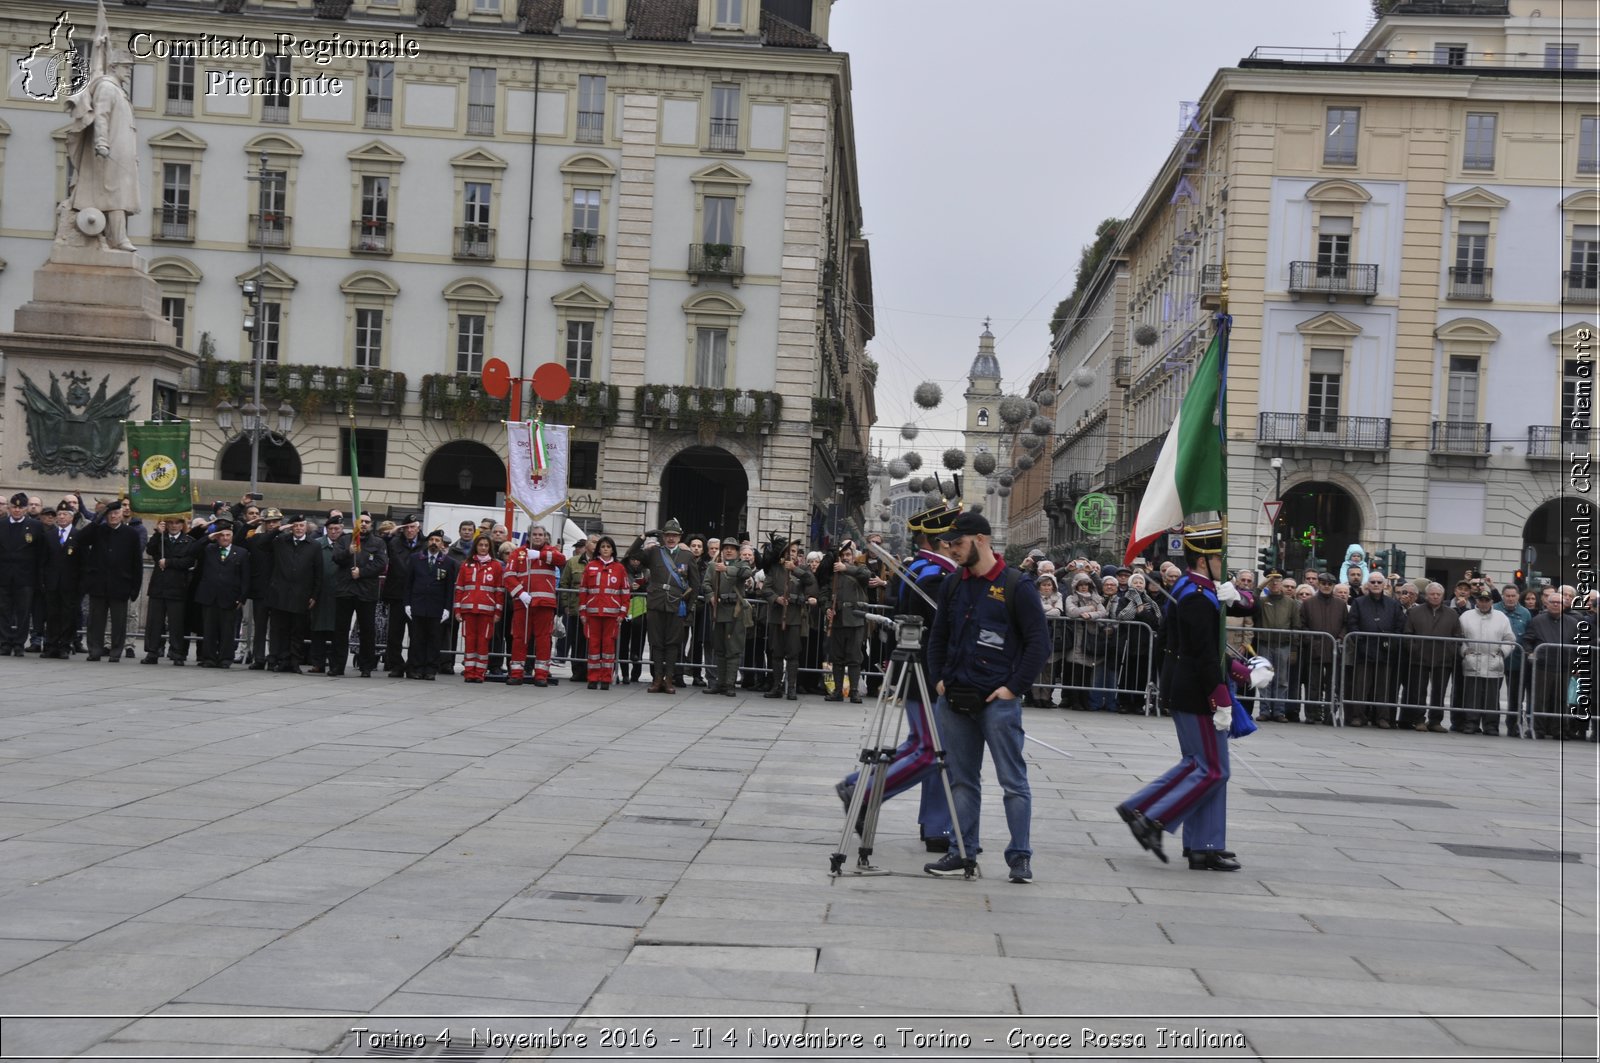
{"type": "Point", "coordinates": [907, 628]}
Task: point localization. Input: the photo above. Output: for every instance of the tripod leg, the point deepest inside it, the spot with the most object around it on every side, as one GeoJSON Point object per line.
{"type": "Point", "coordinates": [867, 796]}
{"type": "Point", "coordinates": [970, 860]}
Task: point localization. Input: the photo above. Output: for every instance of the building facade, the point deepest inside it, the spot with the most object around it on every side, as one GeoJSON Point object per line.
{"type": "Point", "coordinates": [1409, 244]}
{"type": "Point", "coordinates": [658, 195]}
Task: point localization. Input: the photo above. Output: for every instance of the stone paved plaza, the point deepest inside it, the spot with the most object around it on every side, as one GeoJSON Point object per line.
{"type": "Point", "coordinates": [254, 865]}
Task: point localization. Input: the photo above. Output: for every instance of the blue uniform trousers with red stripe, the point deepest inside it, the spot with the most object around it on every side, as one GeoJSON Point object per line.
{"type": "Point", "coordinates": [1194, 791]}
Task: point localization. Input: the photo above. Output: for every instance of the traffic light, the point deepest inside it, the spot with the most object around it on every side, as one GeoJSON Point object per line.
{"type": "Point", "coordinates": [1399, 558]}
{"type": "Point", "coordinates": [1267, 558]}
{"type": "Point", "coordinates": [1380, 560]}
{"type": "Point", "coordinates": [1520, 578]}
{"type": "Point", "coordinates": [1313, 561]}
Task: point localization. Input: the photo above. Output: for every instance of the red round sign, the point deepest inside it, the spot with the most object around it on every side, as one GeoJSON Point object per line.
{"type": "Point", "coordinates": [496, 378]}
{"type": "Point", "coordinates": [551, 381]}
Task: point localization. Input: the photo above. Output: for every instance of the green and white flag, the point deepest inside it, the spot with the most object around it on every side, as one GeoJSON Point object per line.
{"type": "Point", "coordinates": [158, 469]}
{"type": "Point", "coordinates": [1189, 476]}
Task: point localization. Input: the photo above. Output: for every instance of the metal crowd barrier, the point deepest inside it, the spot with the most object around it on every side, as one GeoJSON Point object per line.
{"type": "Point", "coordinates": [1556, 697]}
{"type": "Point", "coordinates": [1100, 665]}
{"type": "Point", "coordinates": [1306, 674]}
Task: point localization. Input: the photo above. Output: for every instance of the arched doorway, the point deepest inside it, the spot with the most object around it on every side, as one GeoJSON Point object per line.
{"type": "Point", "coordinates": [464, 473]}
{"type": "Point", "coordinates": [1317, 517]}
{"type": "Point", "coordinates": [276, 464]}
{"type": "Point", "coordinates": [1550, 542]}
{"type": "Point", "coordinates": [705, 488]}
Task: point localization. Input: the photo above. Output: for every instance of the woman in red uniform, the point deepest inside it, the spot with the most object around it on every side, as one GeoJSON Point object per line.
{"type": "Point", "coordinates": [480, 595]}
{"type": "Point", "coordinates": [602, 605]}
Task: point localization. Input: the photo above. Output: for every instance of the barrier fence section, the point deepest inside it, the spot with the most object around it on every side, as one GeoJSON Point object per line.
{"type": "Point", "coordinates": [1557, 699]}
{"type": "Point", "coordinates": [1099, 665]}
{"type": "Point", "coordinates": [1418, 680]}
{"type": "Point", "coordinates": [1305, 674]}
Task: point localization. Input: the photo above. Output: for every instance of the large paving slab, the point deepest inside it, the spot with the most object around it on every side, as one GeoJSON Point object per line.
{"type": "Point", "coordinates": [195, 870]}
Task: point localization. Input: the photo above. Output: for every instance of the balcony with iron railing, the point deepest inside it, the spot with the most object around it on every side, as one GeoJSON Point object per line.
{"type": "Point", "coordinates": [276, 113]}
{"type": "Point", "coordinates": [379, 114]}
{"type": "Point", "coordinates": [591, 127]}
{"type": "Point", "coordinates": [724, 135]}
{"type": "Point", "coordinates": [1122, 370]}
{"type": "Point", "coordinates": [1459, 437]}
{"type": "Point", "coordinates": [716, 260]}
{"type": "Point", "coordinates": [174, 226]}
{"type": "Point", "coordinates": [1139, 460]}
{"type": "Point", "coordinates": [1210, 284]}
{"type": "Point", "coordinates": [180, 107]}
{"type": "Point", "coordinates": [474, 242]}
{"type": "Point", "coordinates": [583, 249]}
{"type": "Point", "coordinates": [1334, 279]}
{"type": "Point", "coordinates": [1580, 286]}
{"type": "Point", "coordinates": [1471, 282]}
{"type": "Point", "coordinates": [372, 236]}
{"type": "Point", "coordinates": [270, 231]}
{"type": "Point", "coordinates": [1556, 442]}
{"type": "Point", "coordinates": [480, 119]}
{"type": "Point", "coordinates": [682, 407]}
{"type": "Point", "coordinates": [1080, 484]}
{"type": "Point", "coordinates": [1317, 430]}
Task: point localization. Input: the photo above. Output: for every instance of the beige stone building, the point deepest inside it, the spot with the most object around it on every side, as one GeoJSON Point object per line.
{"type": "Point", "coordinates": [1409, 236]}
{"type": "Point", "coordinates": [659, 195]}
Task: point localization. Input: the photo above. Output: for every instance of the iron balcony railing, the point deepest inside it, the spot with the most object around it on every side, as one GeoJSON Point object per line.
{"type": "Point", "coordinates": [1334, 278]}
{"type": "Point", "coordinates": [1317, 430]}
{"type": "Point", "coordinates": [474, 242]}
{"type": "Point", "coordinates": [1459, 437]}
{"type": "Point", "coordinates": [270, 231]}
{"type": "Point", "coordinates": [1471, 282]}
{"type": "Point", "coordinates": [1080, 483]}
{"type": "Point", "coordinates": [480, 119]}
{"type": "Point", "coordinates": [591, 127]}
{"type": "Point", "coordinates": [176, 225]}
{"type": "Point", "coordinates": [276, 113]}
{"type": "Point", "coordinates": [1580, 285]}
{"type": "Point", "coordinates": [1211, 279]}
{"type": "Point", "coordinates": [1140, 459]}
{"type": "Point", "coordinates": [380, 114]}
{"type": "Point", "coordinates": [724, 135]}
{"type": "Point", "coordinates": [180, 106]}
{"type": "Point", "coordinates": [584, 249]}
{"type": "Point", "coordinates": [1555, 440]}
{"type": "Point", "coordinates": [716, 260]}
{"type": "Point", "coordinates": [372, 237]}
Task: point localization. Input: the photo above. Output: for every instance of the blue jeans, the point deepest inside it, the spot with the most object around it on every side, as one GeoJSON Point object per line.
{"type": "Point", "coordinates": [1104, 684]}
{"type": "Point", "coordinates": [999, 726]}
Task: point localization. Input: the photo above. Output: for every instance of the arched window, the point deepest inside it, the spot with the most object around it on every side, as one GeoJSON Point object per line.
{"type": "Point", "coordinates": [983, 418]}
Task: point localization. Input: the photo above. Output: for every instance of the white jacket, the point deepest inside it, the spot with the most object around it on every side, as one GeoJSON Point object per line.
{"type": "Point", "coordinates": [1489, 642]}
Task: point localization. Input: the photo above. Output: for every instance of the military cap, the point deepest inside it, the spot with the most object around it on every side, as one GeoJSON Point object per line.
{"type": "Point", "coordinates": [19, 499]}
{"type": "Point", "coordinates": [672, 527]}
{"type": "Point", "coordinates": [437, 533]}
{"type": "Point", "coordinates": [1203, 538]}
{"type": "Point", "coordinates": [934, 521]}
{"type": "Point", "coordinates": [272, 513]}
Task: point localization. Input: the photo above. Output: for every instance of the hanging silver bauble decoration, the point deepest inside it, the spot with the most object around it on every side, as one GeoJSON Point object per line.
{"type": "Point", "coordinates": [991, 490]}
{"type": "Point", "coordinates": [1013, 410]}
{"type": "Point", "coordinates": [928, 395]}
{"type": "Point", "coordinates": [898, 468]}
{"type": "Point", "coordinates": [955, 459]}
{"type": "Point", "coordinates": [950, 489]}
{"type": "Point", "coordinates": [1025, 462]}
{"type": "Point", "coordinates": [1033, 408]}
{"type": "Point", "coordinates": [976, 507]}
{"type": "Point", "coordinates": [1146, 335]}
{"type": "Point", "coordinates": [1041, 426]}
{"type": "Point", "coordinates": [1005, 479]}
{"type": "Point", "coordinates": [884, 512]}
{"type": "Point", "coordinates": [1032, 444]}
{"type": "Point", "coordinates": [908, 431]}
{"type": "Point", "coordinates": [930, 485]}
{"type": "Point", "coordinates": [912, 459]}
{"type": "Point", "coordinates": [983, 464]}
{"type": "Point", "coordinates": [1083, 376]}
{"type": "Point", "coordinates": [1003, 492]}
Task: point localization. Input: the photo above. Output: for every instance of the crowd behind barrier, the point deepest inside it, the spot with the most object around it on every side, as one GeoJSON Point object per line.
{"type": "Point", "coordinates": [1373, 651]}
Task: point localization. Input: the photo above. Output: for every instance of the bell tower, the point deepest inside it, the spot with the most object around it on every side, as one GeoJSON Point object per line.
{"type": "Point", "coordinates": [982, 432]}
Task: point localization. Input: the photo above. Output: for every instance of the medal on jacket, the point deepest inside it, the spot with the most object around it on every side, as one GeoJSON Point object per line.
{"type": "Point", "coordinates": [27, 537]}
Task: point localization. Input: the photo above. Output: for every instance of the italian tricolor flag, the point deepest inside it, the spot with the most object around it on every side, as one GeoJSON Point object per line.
{"type": "Point", "coordinates": [1189, 476]}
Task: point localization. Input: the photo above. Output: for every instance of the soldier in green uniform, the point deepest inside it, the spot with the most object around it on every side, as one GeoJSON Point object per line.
{"type": "Point", "coordinates": [790, 588]}
{"type": "Point", "coordinates": [671, 588]}
{"type": "Point", "coordinates": [724, 593]}
{"type": "Point", "coordinates": [845, 622]}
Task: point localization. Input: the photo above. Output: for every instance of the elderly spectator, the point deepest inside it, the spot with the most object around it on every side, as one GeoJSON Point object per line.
{"type": "Point", "coordinates": [1054, 611]}
{"type": "Point", "coordinates": [1489, 644]}
{"type": "Point", "coordinates": [1277, 619]}
{"type": "Point", "coordinates": [1323, 611]}
{"type": "Point", "coordinates": [1133, 603]}
{"type": "Point", "coordinates": [113, 570]}
{"type": "Point", "coordinates": [1084, 608]}
{"type": "Point", "coordinates": [1376, 616]}
{"type": "Point", "coordinates": [1432, 658]}
{"type": "Point", "coordinates": [1548, 641]}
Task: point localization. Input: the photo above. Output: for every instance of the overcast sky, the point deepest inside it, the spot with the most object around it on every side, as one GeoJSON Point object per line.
{"type": "Point", "coordinates": [989, 151]}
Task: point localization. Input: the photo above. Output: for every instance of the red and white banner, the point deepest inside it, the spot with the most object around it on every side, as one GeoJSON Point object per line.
{"type": "Point", "coordinates": [538, 483]}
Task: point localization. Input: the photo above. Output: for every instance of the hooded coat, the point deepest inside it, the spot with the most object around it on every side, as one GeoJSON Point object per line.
{"type": "Point", "coordinates": [1360, 565]}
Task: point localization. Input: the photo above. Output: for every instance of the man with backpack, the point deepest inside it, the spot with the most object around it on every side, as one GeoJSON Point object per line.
{"type": "Point", "coordinates": [988, 642]}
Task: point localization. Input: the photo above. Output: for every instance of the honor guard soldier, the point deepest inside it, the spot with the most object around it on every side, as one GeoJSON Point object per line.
{"type": "Point", "coordinates": [480, 595]}
{"type": "Point", "coordinates": [532, 573]}
{"type": "Point", "coordinates": [22, 554]}
{"type": "Point", "coordinates": [1194, 685]}
{"type": "Point", "coordinates": [603, 602]}
{"type": "Point", "coordinates": [789, 589]}
{"type": "Point", "coordinates": [726, 577]}
{"type": "Point", "coordinates": [845, 623]}
{"type": "Point", "coordinates": [671, 587]}
{"type": "Point", "coordinates": [428, 598]}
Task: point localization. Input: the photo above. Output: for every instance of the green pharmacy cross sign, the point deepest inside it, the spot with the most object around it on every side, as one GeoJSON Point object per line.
{"type": "Point", "coordinates": [1096, 514]}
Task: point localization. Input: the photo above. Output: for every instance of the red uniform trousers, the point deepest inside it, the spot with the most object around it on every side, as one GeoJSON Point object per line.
{"type": "Point", "coordinates": [531, 624]}
{"type": "Point", "coordinates": [477, 629]}
{"type": "Point", "coordinates": [601, 632]}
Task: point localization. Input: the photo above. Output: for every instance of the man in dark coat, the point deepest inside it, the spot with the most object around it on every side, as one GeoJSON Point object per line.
{"type": "Point", "coordinates": [358, 566]}
{"type": "Point", "coordinates": [1376, 616]}
{"type": "Point", "coordinates": [396, 589]}
{"type": "Point", "coordinates": [22, 553]}
{"type": "Point", "coordinates": [1432, 658]}
{"type": "Point", "coordinates": [1323, 612]}
{"type": "Point", "coordinates": [172, 554]}
{"type": "Point", "coordinates": [59, 583]}
{"type": "Point", "coordinates": [430, 596]}
{"type": "Point", "coordinates": [224, 581]}
{"type": "Point", "coordinates": [296, 572]}
{"type": "Point", "coordinates": [113, 571]}
{"type": "Point", "coordinates": [1548, 642]}
{"type": "Point", "coordinates": [258, 544]}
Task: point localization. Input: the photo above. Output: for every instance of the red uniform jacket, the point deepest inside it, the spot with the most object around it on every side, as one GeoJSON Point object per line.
{"type": "Point", "coordinates": [605, 589]}
{"type": "Point", "coordinates": [480, 588]}
{"type": "Point", "coordinates": [537, 572]}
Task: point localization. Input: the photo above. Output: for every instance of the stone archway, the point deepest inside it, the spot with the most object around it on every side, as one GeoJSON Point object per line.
{"type": "Point", "coordinates": [706, 489]}
{"type": "Point", "coordinates": [1321, 511]}
{"type": "Point", "coordinates": [276, 463]}
{"type": "Point", "coordinates": [1550, 541]}
{"type": "Point", "coordinates": [464, 473]}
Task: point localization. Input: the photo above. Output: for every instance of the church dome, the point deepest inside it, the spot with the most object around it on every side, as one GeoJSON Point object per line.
{"type": "Point", "coordinates": [985, 366]}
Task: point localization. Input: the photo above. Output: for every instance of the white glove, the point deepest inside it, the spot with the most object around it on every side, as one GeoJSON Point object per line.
{"type": "Point", "coordinates": [1223, 719]}
{"type": "Point", "coordinates": [1227, 593]}
{"type": "Point", "coordinates": [408, 612]}
{"type": "Point", "coordinates": [1261, 672]}
{"type": "Point", "coordinates": [445, 615]}
{"type": "Point", "coordinates": [525, 598]}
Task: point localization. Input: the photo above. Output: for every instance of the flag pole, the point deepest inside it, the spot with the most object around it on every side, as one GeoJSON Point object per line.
{"type": "Point", "coordinates": [1224, 329]}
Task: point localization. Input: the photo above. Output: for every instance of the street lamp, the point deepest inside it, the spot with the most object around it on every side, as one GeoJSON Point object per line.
{"type": "Point", "coordinates": [253, 415]}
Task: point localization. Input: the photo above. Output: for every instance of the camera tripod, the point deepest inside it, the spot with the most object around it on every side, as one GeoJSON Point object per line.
{"type": "Point", "coordinates": [878, 750]}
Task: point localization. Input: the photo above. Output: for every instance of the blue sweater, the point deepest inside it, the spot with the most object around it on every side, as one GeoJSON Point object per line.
{"type": "Point", "coordinates": [972, 641]}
